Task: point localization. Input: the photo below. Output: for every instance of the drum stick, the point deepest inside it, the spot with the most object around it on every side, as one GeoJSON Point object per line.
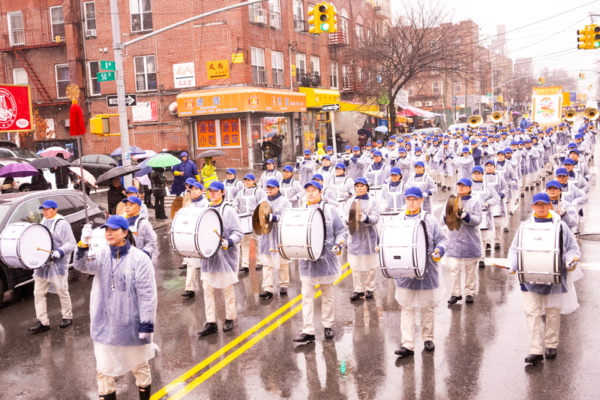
{"type": "Point", "coordinates": [274, 251]}
{"type": "Point", "coordinates": [215, 231]}
{"type": "Point", "coordinates": [498, 266]}
{"type": "Point", "coordinates": [47, 251]}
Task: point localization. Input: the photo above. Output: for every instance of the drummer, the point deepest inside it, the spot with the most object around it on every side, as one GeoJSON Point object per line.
{"type": "Point", "coordinates": [133, 191]}
{"type": "Point", "coordinates": [378, 171]}
{"type": "Point", "coordinates": [270, 173]}
{"type": "Point", "coordinates": [489, 198]}
{"type": "Point", "coordinates": [219, 271]}
{"type": "Point", "coordinates": [145, 237]}
{"type": "Point", "coordinates": [466, 249]}
{"type": "Point", "coordinates": [324, 272]}
{"type": "Point", "coordinates": [290, 188]}
{"type": "Point", "coordinates": [232, 185]}
{"type": "Point", "coordinates": [187, 200]}
{"type": "Point", "coordinates": [423, 293]}
{"type": "Point", "coordinates": [393, 191]}
{"type": "Point", "coordinates": [497, 182]}
{"type": "Point", "coordinates": [551, 300]}
{"type": "Point", "coordinates": [56, 269]}
{"type": "Point", "coordinates": [245, 202]}
{"type": "Point", "coordinates": [566, 210]}
{"type": "Point", "coordinates": [424, 182]}
{"type": "Point", "coordinates": [306, 168]}
{"type": "Point", "coordinates": [193, 264]}
{"type": "Point", "coordinates": [328, 195]}
{"type": "Point", "coordinates": [269, 241]}
{"type": "Point", "coordinates": [362, 256]}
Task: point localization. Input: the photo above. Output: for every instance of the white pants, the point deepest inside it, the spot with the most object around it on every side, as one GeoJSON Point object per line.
{"type": "Point", "coordinates": [446, 180]}
{"type": "Point", "coordinates": [534, 307]}
{"type": "Point", "coordinates": [284, 275]}
{"type": "Point", "coordinates": [107, 385]}
{"type": "Point", "coordinates": [360, 285]}
{"type": "Point", "coordinates": [407, 317]}
{"type": "Point", "coordinates": [308, 306]}
{"type": "Point", "coordinates": [456, 265]}
{"type": "Point", "coordinates": [209, 302]}
{"type": "Point", "coordinates": [549, 166]}
{"type": "Point", "coordinates": [190, 277]}
{"type": "Point", "coordinates": [40, 291]}
{"type": "Point", "coordinates": [245, 243]}
{"type": "Point", "coordinates": [499, 224]}
{"type": "Point", "coordinates": [487, 236]}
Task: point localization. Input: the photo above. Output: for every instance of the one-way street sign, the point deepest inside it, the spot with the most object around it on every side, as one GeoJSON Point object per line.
{"type": "Point", "coordinates": [331, 107]}
{"type": "Point", "coordinates": [130, 100]}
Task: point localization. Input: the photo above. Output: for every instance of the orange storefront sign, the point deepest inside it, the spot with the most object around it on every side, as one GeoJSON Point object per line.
{"type": "Point", "coordinates": [234, 100]}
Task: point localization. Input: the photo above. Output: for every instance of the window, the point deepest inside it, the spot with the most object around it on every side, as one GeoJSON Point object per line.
{"type": "Point", "coordinates": [62, 80]}
{"type": "Point", "coordinates": [411, 90]}
{"type": "Point", "coordinates": [218, 133]}
{"type": "Point", "coordinates": [359, 33]}
{"type": "Point", "coordinates": [315, 67]}
{"type": "Point", "coordinates": [435, 68]}
{"type": "Point", "coordinates": [333, 75]}
{"type": "Point", "coordinates": [106, 160]}
{"type": "Point", "coordinates": [5, 154]}
{"type": "Point", "coordinates": [15, 28]}
{"type": "Point", "coordinates": [141, 15]}
{"type": "Point", "coordinates": [435, 88]}
{"type": "Point", "coordinates": [299, 16]}
{"type": "Point", "coordinates": [94, 68]}
{"type": "Point", "coordinates": [20, 76]}
{"type": "Point", "coordinates": [145, 73]}
{"type": "Point", "coordinates": [28, 212]}
{"type": "Point", "coordinates": [277, 67]}
{"type": "Point", "coordinates": [257, 14]}
{"type": "Point", "coordinates": [258, 66]}
{"type": "Point", "coordinates": [346, 77]}
{"type": "Point", "coordinates": [359, 74]}
{"type": "Point", "coordinates": [58, 23]}
{"type": "Point", "coordinates": [275, 14]}
{"type": "Point", "coordinates": [90, 16]}
{"type": "Point", "coordinates": [90, 159]}
{"type": "Point", "coordinates": [344, 22]}
{"type": "Point", "coordinates": [77, 203]}
{"type": "Point", "coordinates": [457, 87]}
{"type": "Point", "coordinates": [65, 207]}
{"type": "Point", "coordinates": [300, 66]}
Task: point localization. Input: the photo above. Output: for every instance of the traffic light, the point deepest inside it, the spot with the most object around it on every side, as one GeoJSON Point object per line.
{"type": "Point", "coordinates": [588, 38]}
{"type": "Point", "coordinates": [100, 125]}
{"type": "Point", "coordinates": [322, 19]}
{"type": "Point", "coordinates": [594, 36]}
{"type": "Point", "coordinates": [582, 75]}
{"type": "Point", "coordinates": [582, 35]}
{"type": "Point", "coordinates": [541, 81]}
{"type": "Point", "coordinates": [312, 16]}
{"type": "Point", "coordinates": [332, 19]}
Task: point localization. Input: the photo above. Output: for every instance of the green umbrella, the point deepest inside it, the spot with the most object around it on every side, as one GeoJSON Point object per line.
{"type": "Point", "coordinates": [163, 161]}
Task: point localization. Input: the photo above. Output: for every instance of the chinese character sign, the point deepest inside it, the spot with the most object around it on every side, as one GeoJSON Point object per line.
{"type": "Point", "coordinates": [15, 108]}
{"type": "Point", "coordinates": [184, 74]}
{"type": "Point", "coordinates": [230, 132]}
{"type": "Point", "coordinates": [207, 135]}
{"type": "Point", "coordinates": [217, 69]}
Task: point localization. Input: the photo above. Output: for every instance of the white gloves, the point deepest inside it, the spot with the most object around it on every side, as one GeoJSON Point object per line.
{"type": "Point", "coordinates": [86, 234]}
{"type": "Point", "coordinates": [225, 244]}
{"type": "Point", "coordinates": [363, 217]}
{"type": "Point", "coordinates": [463, 215]}
{"type": "Point", "coordinates": [144, 335]}
{"type": "Point", "coordinates": [337, 250]}
{"type": "Point", "coordinates": [270, 217]}
{"type": "Point", "coordinates": [425, 195]}
{"type": "Point", "coordinates": [56, 255]}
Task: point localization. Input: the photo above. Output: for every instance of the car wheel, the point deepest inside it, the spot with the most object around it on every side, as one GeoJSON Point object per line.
{"type": "Point", "coordinates": [25, 188]}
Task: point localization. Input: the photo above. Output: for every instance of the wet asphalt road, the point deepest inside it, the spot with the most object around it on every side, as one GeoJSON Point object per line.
{"type": "Point", "coordinates": [479, 353]}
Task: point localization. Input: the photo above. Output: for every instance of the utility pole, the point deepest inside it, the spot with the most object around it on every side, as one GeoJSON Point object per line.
{"type": "Point", "coordinates": [118, 47]}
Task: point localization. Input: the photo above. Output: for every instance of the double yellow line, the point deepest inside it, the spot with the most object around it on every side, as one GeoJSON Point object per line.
{"type": "Point", "coordinates": [214, 369]}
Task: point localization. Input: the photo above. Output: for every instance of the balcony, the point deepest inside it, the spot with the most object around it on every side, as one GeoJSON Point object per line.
{"type": "Point", "coordinates": [315, 79]}
{"type": "Point", "coordinates": [39, 99]}
{"type": "Point", "coordinates": [257, 16]}
{"type": "Point", "coordinates": [278, 78]}
{"type": "Point", "coordinates": [302, 79]}
{"type": "Point", "coordinates": [27, 39]}
{"type": "Point", "coordinates": [339, 39]}
{"type": "Point", "coordinates": [300, 25]}
{"type": "Point", "coordinates": [352, 86]}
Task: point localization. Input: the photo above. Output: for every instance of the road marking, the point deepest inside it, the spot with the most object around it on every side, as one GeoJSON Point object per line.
{"type": "Point", "coordinates": [165, 391]}
{"type": "Point", "coordinates": [196, 382]}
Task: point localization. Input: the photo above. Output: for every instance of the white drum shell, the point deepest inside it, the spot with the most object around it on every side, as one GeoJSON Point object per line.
{"type": "Point", "coordinates": [301, 234]}
{"type": "Point", "coordinates": [192, 232]}
{"type": "Point", "coordinates": [539, 253]}
{"type": "Point", "coordinates": [403, 249]}
{"type": "Point", "coordinates": [388, 218]}
{"type": "Point", "coordinates": [19, 243]}
{"type": "Point", "coordinates": [246, 223]}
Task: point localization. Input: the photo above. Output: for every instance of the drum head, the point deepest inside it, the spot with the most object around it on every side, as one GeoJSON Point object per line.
{"type": "Point", "coordinates": [318, 233]}
{"type": "Point", "coordinates": [35, 236]}
{"type": "Point", "coordinates": [422, 248]}
{"type": "Point", "coordinates": [207, 242]}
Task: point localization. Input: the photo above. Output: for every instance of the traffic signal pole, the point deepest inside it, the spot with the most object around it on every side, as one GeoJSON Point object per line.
{"type": "Point", "coordinates": [118, 47]}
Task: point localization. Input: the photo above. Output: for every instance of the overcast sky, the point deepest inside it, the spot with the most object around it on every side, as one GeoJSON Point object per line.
{"type": "Point", "coordinates": [551, 43]}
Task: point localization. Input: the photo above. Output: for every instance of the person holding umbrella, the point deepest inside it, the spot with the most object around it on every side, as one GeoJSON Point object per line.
{"type": "Point", "coordinates": [116, 193]}
{"type": "Point", "coordinates": [158, 179]}
{"type": "Point", "coordinates": [187, 169]}
{"type": "Point", "coordinates": [62, 175]}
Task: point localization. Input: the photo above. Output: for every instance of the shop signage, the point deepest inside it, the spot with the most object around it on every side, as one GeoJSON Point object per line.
{"type": "Point", "coordinates": [15, 108]}
{"type": "Point", "coordinates": [217, 69]}
{"type": "Point", "coordinates": [184, 75]}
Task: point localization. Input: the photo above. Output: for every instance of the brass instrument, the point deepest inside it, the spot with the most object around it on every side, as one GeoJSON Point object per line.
{"type": "Point", "coordinates": [591, 113]}
{"type": "Point", "coordinates": [475, 120]}
{"type": "Point", "coordinates": [454, 209]}
{"type": "Point", "coordinates": [260, 221]}
{"type": "Point", "coordinates": [570, 115]}
{"type": "Point", "coordinates": [496, 117]}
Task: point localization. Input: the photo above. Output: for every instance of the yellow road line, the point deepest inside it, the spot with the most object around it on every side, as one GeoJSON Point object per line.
{"type": "Point", "coordinates": [188, 374]}
{"type": "Point", "coordinates": [196, 382]}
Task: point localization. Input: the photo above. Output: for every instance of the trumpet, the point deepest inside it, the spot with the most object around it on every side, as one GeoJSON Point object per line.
{"type": "Point", "coordinates": [475, 120]}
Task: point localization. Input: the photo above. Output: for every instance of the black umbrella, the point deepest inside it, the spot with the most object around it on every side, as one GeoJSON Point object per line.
{"type": "Point", "coordinates": [211, 153]}
{"type": "Point", "coordinates": [117, 172]}
{"type": "Point", "coordinates": [49, 162]}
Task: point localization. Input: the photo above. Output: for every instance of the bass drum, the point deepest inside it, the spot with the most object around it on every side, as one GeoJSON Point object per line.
{"type": "Point", "coordinates": [19, 244]}
{"type": "Point", "coordinates": [192, 232]}
{"type": "Point", "coordinates": [540, 253]}
{"type": "Point", "coordinates": [301, 234]}
{"type": "Point", "coordinates": [246, 223]}
{"type": "Point", "coordinates": [404, 249]}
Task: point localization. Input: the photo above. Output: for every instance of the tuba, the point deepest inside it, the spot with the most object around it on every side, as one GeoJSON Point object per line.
{"type": "Point", "coordinates": [475, 121]}
{"type": "Point", "coordinates": [496, 117]}
{"type": "Point", "coordinates": [591, 113]}
{"type": "Point", "coordinates": [570, 115]}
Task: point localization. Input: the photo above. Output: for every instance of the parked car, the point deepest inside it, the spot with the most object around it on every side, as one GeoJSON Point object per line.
{"type": "Point", "coordinates": [24, 207]}
{"type": "Point", "coordinates": [97, 164]}
{"type": "Point", "coordinates": [11, 150]}
{"type": "Point", "coordinates": [427, 131]}
{"type": "Point", "coordinates": [24, 184]}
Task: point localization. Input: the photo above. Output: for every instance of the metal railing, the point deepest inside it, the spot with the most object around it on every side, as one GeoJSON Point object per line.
{"type": "Point", "coordinates": [339, 39]}
{"type": "Point", "coordinates": [21, 37]}
{"type": "Point", "coordinates": [300, 25]}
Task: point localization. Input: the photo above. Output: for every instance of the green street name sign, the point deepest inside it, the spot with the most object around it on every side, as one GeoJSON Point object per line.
{"type": "Point", "coordinates": [105, 76]}
{"type": "Point", "coordinates": [108, 66]}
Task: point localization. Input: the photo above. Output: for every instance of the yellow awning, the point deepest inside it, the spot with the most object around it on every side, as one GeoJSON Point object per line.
{"type": "Point", "coordinates": [317, 98]}
{"type": "Point", "coordinates": [370, 109]}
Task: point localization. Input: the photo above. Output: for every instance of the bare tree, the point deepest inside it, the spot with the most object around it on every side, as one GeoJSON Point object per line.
{"type": "Point", "coordinates": [560, 77]}
{"type": "Point", "coordinates": [519, 88]}
{"type": "Point", "coordinates": [422, 41]}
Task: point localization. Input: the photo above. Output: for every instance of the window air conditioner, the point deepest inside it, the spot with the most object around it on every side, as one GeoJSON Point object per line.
{"type": "Point", "coordinates": [90, 33]}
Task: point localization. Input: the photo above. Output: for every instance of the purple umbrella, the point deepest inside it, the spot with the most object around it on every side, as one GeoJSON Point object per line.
{"type": "Point", "coordinates": [17, 170]}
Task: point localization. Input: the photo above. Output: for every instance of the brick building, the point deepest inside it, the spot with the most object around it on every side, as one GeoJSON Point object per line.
{"type": "Point", "coordinates": [261, 56]}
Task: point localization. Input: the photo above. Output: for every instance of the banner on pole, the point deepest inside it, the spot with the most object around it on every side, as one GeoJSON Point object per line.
{"type": "Point", "coordinates": [547, 105]}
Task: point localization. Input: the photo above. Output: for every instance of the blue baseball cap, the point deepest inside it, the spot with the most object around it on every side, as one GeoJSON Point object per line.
{"type": "Point", "coordinates": [327, 157]}
{"type": "Point", "coordinates": [541, 197]}
{"type": "Point", "coordinates": [348, 147]}
{"type": "Point", "coordinates": [49, 204]}
{"type": "Point", "coordinates": [216, 185]}
{"type": "Point", "coordinates": [500, 151]}
{"type": "Point", "coordinates": [401, 150]}
{"type": "Point", "coordinates": [395, 171]}
{"type": "Point", "coordinates": [317, 176]}
{"type": "Point", "coordinates": [379, 142]}
{"type": "Point", "coordinates": [377, 153]}
{"type": "Point", "coordinates": [561, 172]}
{"type": "Point", "coordinates": [307, 152]}
{"type": "Point", "coordinates": [329, 148]}
{"type": "Point", "coordinates": [508, 150]}
{"type": "Point", "coordinates": [315, 184]}
{"type": "Point", "coordinates": [417, 149]}
{"type": "Point", "coordinates": [272, 183]}
{"type": "Point", "coordinates": [477, 168]}
{"type": "Point", "coordinates": [554, 183]}
{"type": "Point", "coordinates": [361, 180]}
{"type": "Point", "coordinates": [131, 189]}
{"type": "Point", "coordinates": [490, 162]}
{"type": "Point", "coordinates": [521, 143]}
{"type": "Point", "coordinates": [484, 139]}
{"type": "Point", "coordinates": [573, 150]}
{"type": "Point", "coordinates": [231, 171]}
{"type": "Point", "coordinates": [356, 148]}
{"type": "Point", "coordinates": [569, 161]}
{"type": "Point", "coordinates": [414, 192]}
{"type": "Point", "coordinates": [465, 181]}
{"type": "Point", "coordinates": [473, 141]}
{"type": "Point", "coordinates": [340, 166]}
{"type": "Point", "coordinates": [249, 177]}
{"type": "Point", "coordinates": [132, 199]}
{"type": "Point", "coordinates": [445, 142]}
{"type": "Point", "coordinates": [270, 161]}
{"type": "Point", "coordinates": [513, 143]}
{"type": "Point", "coordinates": [116, 222]}
{"type": "Point", "coordinates": [288, 168]}
{"type": "Point", "coordinates": [190, 181]}
{"type": "Point", "coordinates": [198, 185]}
{"type": "Point", "coordinates": [420, 164]}
{"type": "Point", "coordinates": [466, 150]}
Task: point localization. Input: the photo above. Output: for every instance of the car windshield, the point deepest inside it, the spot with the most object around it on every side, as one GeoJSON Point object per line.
{"type": "Point", "coordinates": [24, 153]}
{"type": "Point", "coordinates": [4, 208]}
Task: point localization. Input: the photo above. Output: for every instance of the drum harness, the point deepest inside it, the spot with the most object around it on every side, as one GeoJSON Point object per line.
{"type": "Point", "coordinates": [248, 198]}
{"type": "Point", "coordinates": [286, 189]}
{"type": "Point", "coordinates": [395, 194]}
{"type": "Point", "coordinates": [342, 185]}
{"type": "Point", "coordinates": [56, 220]}
{"type": "Point", "coordinates": [229, 193]}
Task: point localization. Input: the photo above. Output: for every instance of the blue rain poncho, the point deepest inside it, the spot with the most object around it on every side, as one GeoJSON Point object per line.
{"type": "Point", "coordinates": [574, 195]}
{"type": "Point", "coordinates": [487, 153]}
{"type": "Point", "coordinates": [377, 173]}
{"type": "Point", "coordinates": [291, 190]}
{"type": "Point", "coordinates": [247, 199]}
{"type": "Point", "coordinates": [232, 187]}
{"type": "Point", "coordinates": [561, 296]}
{"type": "Point", "coordinates": [119, 315]}
{"type": "Point", "coordinates": [393, 194]}
{"type": "Point", "coordinates": [486, 194]}
{"type": "Point", "coordinates": [506, 170]}
{"type": "Point", "coordinates": [466, 241]}
{"type": "Point", "coordinates": [63, 241]}
{"type": "Point", "coordinates": [269, 241]}
{"type": "Point", "coordinates": [144, 236]}
{"type": "Point", "coordinates": [361, 245]}
{"type": "Point", "coordinates": [583, 169]}
{"type": "Point", "coordinates": [327, 173]}
{"type": "Point", "coordinates": [570, 216]}
{"type": "Point", "coordinates": [269, 174]}
{"type": "Point", "coordinates": [432, 279]}
{"type": "Point", "coordinates": [433, 163]}
{"type": "Point", "coordinates": [497, 182]}
{"type": "Point", "coordinates": [427, 186]}
{"type": "Point", "coordinates": [356, 167]}
{"type": "Point", "coordinates": [220, 269]}
{"type": "Point", "coordinates": [406, 165]}
{"type": "Point", "coordinates": [144, 211]}
{"type": "Point", "coordinates": [342, 186]}
{"type": "Point", "coordinates": [306, 170]}
{"type": "Point", "coordinates": [464, 165]}
{"type": "Point", "coordinates": [579, 181]}
{"type": "Point", "coordinates": [541, 151]}
{"type": "Point", "coordinates": [531, 160]}
{"type": "Point", "coordinates": [326, 269]}
{"type": "Point", "coordinates": [188, 170]}
{"type": "Point", "coordinates": [443, 160]}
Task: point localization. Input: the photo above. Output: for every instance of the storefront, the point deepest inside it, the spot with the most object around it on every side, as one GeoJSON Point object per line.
{"type": "Point", "coordinates": [238, 120]}
{"type": "Point", "coordinates": [315, 125]}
